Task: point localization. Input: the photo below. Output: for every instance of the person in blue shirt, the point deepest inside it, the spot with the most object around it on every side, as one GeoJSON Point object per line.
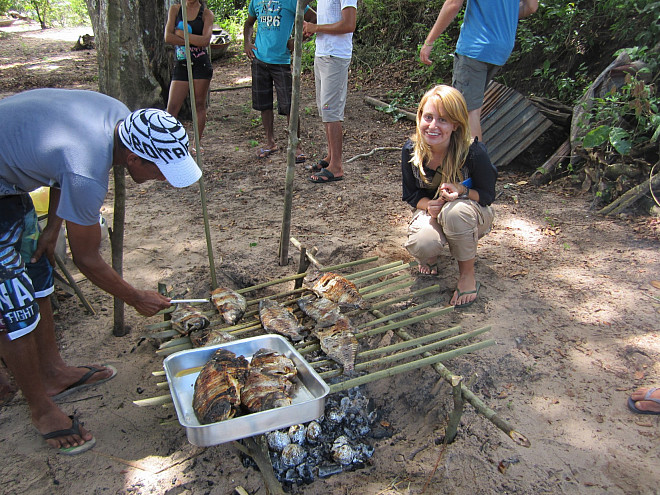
{"type": "Point", "coordinates": [270, 57]}
{"type": "Point", "coordinates": [487, 37]}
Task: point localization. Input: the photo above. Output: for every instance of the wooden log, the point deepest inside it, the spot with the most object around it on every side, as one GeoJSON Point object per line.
{"type": "Point", "coordinates": [543, 174]}
{"type": "Point", "coordinates": [630, 197]}
{"type": "Point", "coordinates": [377, 103]}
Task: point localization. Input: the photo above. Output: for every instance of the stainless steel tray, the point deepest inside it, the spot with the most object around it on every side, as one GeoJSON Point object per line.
{"type": "Point", "coordinates": [182, 369]}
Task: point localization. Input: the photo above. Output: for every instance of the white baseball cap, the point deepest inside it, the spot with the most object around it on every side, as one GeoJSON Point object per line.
{"type": "Point", "coordinates": [158, 137]}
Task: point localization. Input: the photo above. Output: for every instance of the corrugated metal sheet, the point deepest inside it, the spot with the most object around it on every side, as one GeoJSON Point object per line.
{"type": "Point", "coordinates": [509, 123]}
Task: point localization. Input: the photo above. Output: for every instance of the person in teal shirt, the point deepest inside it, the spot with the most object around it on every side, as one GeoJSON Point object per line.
{"type": "Point", "coordinates": [270, 57]}
{"type": "Point", "coordinates": [486, 40]}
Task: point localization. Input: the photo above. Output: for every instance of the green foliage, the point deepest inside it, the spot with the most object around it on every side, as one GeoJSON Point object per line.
{"type": "Point", "coordinates": [59, 13]}
{"type": "Point", "coordinates": [226, 9]}
{"type": "Point", "coordinates": [629, 116]}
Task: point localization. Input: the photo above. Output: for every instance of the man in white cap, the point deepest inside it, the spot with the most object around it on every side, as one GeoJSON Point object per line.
{"type": "Point", "coordinates": [69, 140]}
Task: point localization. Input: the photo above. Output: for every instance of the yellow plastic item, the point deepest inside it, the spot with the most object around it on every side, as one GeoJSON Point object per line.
{"type": "Point", "coordinates": [40, 198]}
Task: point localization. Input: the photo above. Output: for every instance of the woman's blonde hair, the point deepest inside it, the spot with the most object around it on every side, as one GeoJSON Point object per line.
{"type": "Point", "coordinates": [459, 143]}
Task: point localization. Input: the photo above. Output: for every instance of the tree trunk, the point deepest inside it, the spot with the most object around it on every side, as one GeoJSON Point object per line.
{"type": "Point", "coordinates": [137, 52]}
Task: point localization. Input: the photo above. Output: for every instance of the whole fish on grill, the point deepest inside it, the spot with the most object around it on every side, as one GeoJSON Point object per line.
{"type": "Point", "coordinates": [217, 390]}
{"type": "Point", "coordinates": [275, 318]}
{"type": "Point", "coordinates": [321, 309]}
{"type": "Point", "coordinates": [229, 303]}
{"type": "Point", "coordinates": [272, 362]}
{"type": "Point", "coordinates": [185, 319]}
{"type": "Point", "coordinates": [268, 383]}
{"type": "Point", "coordinates": [339, 343]}
{"type": "Point", "coordinates": [340, 290]}
{"type": "Point", "coordinates": [210, 336]}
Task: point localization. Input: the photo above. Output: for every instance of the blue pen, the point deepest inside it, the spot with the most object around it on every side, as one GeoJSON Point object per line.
{"type": "Point", "coordinates": [467, 182]}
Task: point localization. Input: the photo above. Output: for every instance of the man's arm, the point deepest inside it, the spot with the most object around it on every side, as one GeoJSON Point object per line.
{"type": "Point", "coordinates": [345, 25]}
{"type": "Point", "coordinates": [448, 13]}
{"type": "Point", "coordinates": [84, 241]}
{"type": "Point", "coordinates": [527, 8]}
{"type": "Point", "coordinates": [248, 31]}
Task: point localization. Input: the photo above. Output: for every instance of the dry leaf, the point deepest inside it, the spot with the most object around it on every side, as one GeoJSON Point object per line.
{"type": "Point", "coordinates": [639, 375]}
{"type": "Point", "coordinates": [521, 183]}
{"type": "Point", "coordinates": [655, 283]}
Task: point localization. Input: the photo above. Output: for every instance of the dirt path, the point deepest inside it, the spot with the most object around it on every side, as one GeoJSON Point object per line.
{"type": "Point", "coordinates": [568, 296]}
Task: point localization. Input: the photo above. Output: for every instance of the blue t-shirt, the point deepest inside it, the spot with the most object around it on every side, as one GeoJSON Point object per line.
{"type": "Point", "coordinates": [275, 20]}
{"type": "Point", "coordinates": [488, 32]}
{"type": "Point", "coordinates": [61, 138]}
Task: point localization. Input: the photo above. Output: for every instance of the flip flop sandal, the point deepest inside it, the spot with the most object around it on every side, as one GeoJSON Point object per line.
{"type": "Point", "coordinates": [647, 396]}
{"type": "Point", "coordinates": [325, 176]}
{"type": "Point", "coordinates": [82, 383]}
{"type": "Point", "coordinates": [470, 303]}
{"type": "Point", "coordinates": [74, 430]}
{"type": "Point", "coordinates": [317, 167]}
{"type": "Point", "coordinates": [265, 152]}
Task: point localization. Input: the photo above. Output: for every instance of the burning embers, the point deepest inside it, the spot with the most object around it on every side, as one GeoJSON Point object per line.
{"type": "Point", "coordinates": [336, 442]}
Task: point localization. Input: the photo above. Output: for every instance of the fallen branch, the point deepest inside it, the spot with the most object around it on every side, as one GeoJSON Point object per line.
{"type": "Point", "coordinates": [255, 448]}
{"type": "Point", "coordinates": [382, 148]}
{"type": "Point", "coordinates": [630, 197]}
{"type": "Point", "coordinates": [230, 88]}
{"type": "Point", "coordinates": [378, 103]}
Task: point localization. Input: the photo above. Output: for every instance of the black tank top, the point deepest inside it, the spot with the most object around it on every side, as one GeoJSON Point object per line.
{"type": "Point", "coordinates": [197, 24]}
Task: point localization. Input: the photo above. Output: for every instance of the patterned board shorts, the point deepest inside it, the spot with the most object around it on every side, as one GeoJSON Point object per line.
{"type": "Point", "coordinates": [21, 282]}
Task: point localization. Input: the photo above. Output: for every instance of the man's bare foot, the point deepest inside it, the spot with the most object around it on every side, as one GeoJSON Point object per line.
{"type": "Point", "coordinates": [74, 378]}
{"type": "Point", "coordinates": [645, 401]}
{"type": "Point", "coordinates": [68, 432]}
{"type": "Point", "coordinates": [466, 292]}
{"type": "Point", "coordinates": [428, 268]}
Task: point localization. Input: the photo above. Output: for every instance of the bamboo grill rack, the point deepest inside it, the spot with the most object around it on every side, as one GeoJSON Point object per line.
{"type": "Point", "coordinates": [383, 286]}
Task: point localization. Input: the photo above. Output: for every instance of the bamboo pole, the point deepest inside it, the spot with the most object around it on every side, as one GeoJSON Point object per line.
{"type": "Point", "coordinates": [293, 134]}
{"type": "Point", "coordinates": [420, 363]}
{"type": "Point", "coordinates": [73, 284]}
{"type": "Point", "coordinates": [457, 412]}
{"type": "Point", "coordinates": [198, 157]}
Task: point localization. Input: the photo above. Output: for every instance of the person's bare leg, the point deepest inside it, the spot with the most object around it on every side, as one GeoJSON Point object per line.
{"type": "Point", "coordinates": [22, 359]}
{"type": "Point", "coordinates": [474, 119]}
{"type": "Point", "coordinates": [335, 136]}
{"type": "Point", "coordinates": [201, 87]}
{"type": "Point", "coordinates": [268, 120]}
{"type": "Point", "coordinates": [466, 283]}
{"type": "Point", "coordinates": [646, 405]}
{"type": "Point", "coordinates": [55, 374]}
{"type": "Point", "coordinates": [178, 93]}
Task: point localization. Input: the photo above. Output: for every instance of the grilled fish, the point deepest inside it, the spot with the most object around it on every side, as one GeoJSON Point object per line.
{"type": "Point", "coordinates": [185, 319]}
{"type": "Point", "coordinates": [217, 391]}
{"type": "Point", "coordinates": [275, 318]}
{"type": "Point", "coordinates": [268, 383]}
{"type": "Point", "coordinates": [210, 336]}
{"type": "Point", "coordinates": [321, 309]}
{"type": "Point", "coordinates": [340, 290]}
{"type": "Point", "coordinates": [339, 343]}
{"type": "Point", "coordinates": [272, 362]}
{"type": "Point", "coordinates": [229, 303]}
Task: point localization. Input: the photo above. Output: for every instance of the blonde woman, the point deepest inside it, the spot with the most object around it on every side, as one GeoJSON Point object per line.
{"type": "Point", "coordinates": [450, 183]}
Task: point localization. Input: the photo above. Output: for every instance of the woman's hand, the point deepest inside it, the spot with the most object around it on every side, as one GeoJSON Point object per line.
{"type": "Point", "coordinates": [434, 206]}
{"type": "Point", "coordinates": [449, 191]}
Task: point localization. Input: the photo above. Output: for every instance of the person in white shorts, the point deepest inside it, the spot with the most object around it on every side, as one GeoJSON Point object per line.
{"type": "Point", "coordinates": [334, 47]}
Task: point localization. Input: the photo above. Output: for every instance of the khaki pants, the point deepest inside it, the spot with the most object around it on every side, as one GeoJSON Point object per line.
{"type": "Point", "coordinates": [460, 225]}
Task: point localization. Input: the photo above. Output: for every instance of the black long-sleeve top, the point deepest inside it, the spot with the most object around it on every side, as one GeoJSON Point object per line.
{"type": "Point", "coordinates": [477, 166]}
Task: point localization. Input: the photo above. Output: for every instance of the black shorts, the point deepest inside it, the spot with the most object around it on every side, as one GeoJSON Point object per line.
{"type": "Point", "coordinates": [264, 76]}
{"type": "Point", "coordinates": [201, 68]}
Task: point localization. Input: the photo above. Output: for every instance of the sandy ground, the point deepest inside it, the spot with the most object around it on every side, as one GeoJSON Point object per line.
{"type": "Point", "coordinates": [567, 294]}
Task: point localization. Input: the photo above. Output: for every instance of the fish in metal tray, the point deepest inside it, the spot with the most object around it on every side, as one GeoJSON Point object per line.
{"type": "Point", "coordinates": [210, 336]}
{"type": "Point", "coordinates": [339, 343]}
{"type": "Point", "coordinates": [275, 318]}
{"type": "Point", "coordinates": [217, 390]}
{"type": "Point", "coordinates": [321, 309]}
{"type": "Point", "coordinates": [272, 362]}
{"type": "Point", "coordinates": [268, 384]}
{"type": "Point", "coordinates": [185, 319]}
{"type": "Point", "coordinates": [340, 290]}
{"type": "Point", "coordinates": [229, 303]}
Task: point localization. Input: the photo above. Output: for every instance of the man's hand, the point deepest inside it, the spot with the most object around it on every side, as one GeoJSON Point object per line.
{"type": "Point", "coordinates": [46, 245]}
{"type": "Point", "coordinates": [248, 48]}
{"type": "Point", "coordinates": [425, 54]}
{"type": "Point", "coordinates": [149, 302]}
